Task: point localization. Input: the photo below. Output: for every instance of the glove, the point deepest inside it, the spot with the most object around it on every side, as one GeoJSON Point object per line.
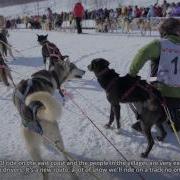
{"type": "Point", "coordinates": [34, 126]}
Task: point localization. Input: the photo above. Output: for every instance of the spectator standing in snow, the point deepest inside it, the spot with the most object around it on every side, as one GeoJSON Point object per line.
{"type": "Point", "coordinates": [176, 10]}
{"type": "Point", "coordinates": [164, 8]}
{"type": "Point", "coordinates": [49, 19]}
{"type": "Point", "coordinates": [78, 13]}
{"type": "Point", "coordinates": [151, 12]}
{"type": "Point", "coordinates": [170, 10]}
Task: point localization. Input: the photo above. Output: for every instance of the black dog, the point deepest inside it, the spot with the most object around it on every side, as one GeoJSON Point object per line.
{"type": "Point", "coordinates": [129, 89]}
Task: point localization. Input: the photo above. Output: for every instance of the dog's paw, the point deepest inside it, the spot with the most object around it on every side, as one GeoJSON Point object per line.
{"type": "Point", "coordinates": [137, 126]}
{"type": "Point", "coordinates": [118, 131]}
{"type": "Point", "coordinates": [144, 155]}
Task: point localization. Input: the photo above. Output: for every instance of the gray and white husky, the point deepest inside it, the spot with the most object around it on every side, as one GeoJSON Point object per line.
{"type": "Point", "coordinates": [39, 110]}
{"type": "Point", "coordinates": [5, 47]}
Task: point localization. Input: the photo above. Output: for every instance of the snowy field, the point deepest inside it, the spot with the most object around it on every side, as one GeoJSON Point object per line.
{"type": "Point", "coordinates": [81, 138]}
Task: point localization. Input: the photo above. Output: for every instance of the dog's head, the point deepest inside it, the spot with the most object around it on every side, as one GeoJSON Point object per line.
{"type": "Point", "coordinates": [67, 70]}
{"type": "Point", "coordinates": [4, 32]}
{"type": "Point", "coordinates": [98, 65]}
{"type": "Point", "coordinates": [42, 38]}
{"type": "Point", "coordinates": [75, 72]}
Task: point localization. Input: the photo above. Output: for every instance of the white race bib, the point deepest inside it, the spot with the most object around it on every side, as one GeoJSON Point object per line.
{"type": "Point", "coordinates": [169, 64]}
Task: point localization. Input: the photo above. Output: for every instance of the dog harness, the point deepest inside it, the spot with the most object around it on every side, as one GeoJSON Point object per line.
{"type": "Point", "coordinates": [150, 88]}
{"type": "Point", "coordinates": [53, 51]}
{"type": "Point", "coordinates": [111, 82]}
{"type": "Point", "coordinates": [129, 91]}
{"type": "Point", "coordinates": [32, 123]}
{"type": "Point", "coordinates": [21, 96]}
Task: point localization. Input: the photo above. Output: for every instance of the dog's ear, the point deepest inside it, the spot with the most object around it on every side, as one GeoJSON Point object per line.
{"type": "Point", "coordinates": [46, 35]}
{"type": "Point", "coordinates": [37, 35]}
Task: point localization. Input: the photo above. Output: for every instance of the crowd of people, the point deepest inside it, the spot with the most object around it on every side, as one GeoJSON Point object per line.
{"type": "Point", "coordinates": [52, 20]}
{"type": "Point", "coordinates": [156, 10]}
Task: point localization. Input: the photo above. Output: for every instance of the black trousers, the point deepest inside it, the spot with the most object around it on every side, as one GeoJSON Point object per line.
{"type": "Point", "coordinates": [78, 25]}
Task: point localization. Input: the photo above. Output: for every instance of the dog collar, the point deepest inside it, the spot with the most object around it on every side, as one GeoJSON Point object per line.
{"type": "Point", "coordinates": [104, 71]}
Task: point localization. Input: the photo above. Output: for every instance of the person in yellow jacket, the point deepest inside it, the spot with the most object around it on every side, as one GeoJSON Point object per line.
{"type": "Point", "coordinates": [164, 55]}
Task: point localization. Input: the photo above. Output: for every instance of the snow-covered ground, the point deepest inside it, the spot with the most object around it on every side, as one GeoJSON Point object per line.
{"type": "Point", "coordinates": [80, 137]}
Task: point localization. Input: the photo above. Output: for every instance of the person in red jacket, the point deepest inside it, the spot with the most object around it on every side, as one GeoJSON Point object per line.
{"type": "Point", "coordinates": [78, 13]}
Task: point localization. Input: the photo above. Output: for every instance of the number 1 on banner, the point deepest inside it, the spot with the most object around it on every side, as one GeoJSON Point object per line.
{"type": "Point", "coordinates": [175, 62]}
